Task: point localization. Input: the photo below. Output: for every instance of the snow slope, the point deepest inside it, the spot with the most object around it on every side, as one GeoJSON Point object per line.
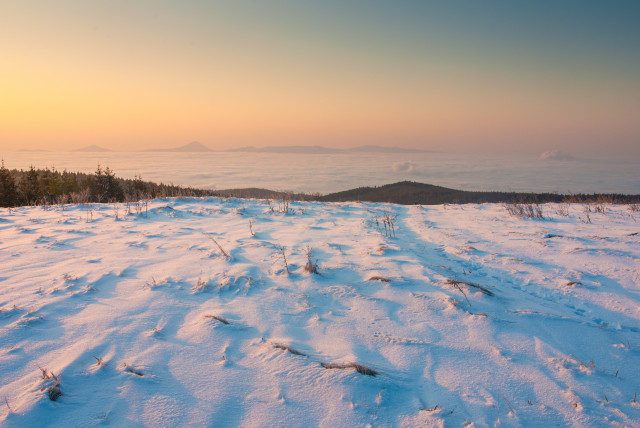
{"type": "Point", "coordinates": [174, 313]}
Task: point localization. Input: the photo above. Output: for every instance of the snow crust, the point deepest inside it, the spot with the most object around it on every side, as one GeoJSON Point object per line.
{"type": "Point", "coordinates": [183, 312]}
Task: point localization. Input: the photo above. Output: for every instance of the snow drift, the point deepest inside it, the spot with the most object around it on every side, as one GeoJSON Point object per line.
{"type": "Point", "coordinates": [269, 313]}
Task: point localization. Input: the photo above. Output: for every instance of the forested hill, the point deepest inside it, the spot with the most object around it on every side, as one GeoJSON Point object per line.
{"type": "Point", "coordinates": [408, 192]}
{"type": "Point", "coordinates": [49, 186]}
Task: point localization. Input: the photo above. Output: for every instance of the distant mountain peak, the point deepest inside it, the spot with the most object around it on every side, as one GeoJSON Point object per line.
{"type": "Point", "coordinates": [92, 148]}
{"type": "Point", "coordinates": [193, 146]}
{"type": "Point", "coordinates": [325, 150]}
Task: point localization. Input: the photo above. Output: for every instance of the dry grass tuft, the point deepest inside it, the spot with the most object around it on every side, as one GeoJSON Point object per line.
{"type": "Point", "coordinates": [563, 210]}
{"type": "Point", "coordinates": [45, 373]}
{"type": "Point", "coordinates": [53, 390]}
{"type": "Point", "coordinates": [456, 283]}
{"type": "Point", "coordinates": [589, 365]}
{"type": "Point", "coordinates": [201, 285]}
{"type": "Point", "coordinates": [281, 253]}
{"type": "Point", "coordinates": [385, 222]}
{"type": "Point", "coordinates": [433, 409]}
{"type": "Point", "coordinates": [358, 367]}
{"type": "Point", "coordinates": [133, 370]}
{"type": "Point", "coordinates": [509, 405]}
{"type": "Point", "coordinates": [217, 318]}
{"type": "Point", "coordinates": [379, 278]}
{"type": "Point", "coordinates": [222, 250]}
{"type": "Point", "coordinates": [153, 283]}
{"type": "Point", "coordinates": [289, 349]}
{"type": "Point", "coordinates": [6, 401]}
{"type": "Point", "coordinates": [524, 210]}
{"type": "Point", "coordinates": [312, 265]}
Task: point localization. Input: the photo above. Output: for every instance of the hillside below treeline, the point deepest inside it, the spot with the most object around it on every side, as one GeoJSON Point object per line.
{"type": "Point", "coordinates": [46, 186]}
{"type": "Point", "coordinates": [412, 193]}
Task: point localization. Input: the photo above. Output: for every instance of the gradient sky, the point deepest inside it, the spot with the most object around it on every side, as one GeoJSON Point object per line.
{"type": "Point", "coordinates": [498, 76]}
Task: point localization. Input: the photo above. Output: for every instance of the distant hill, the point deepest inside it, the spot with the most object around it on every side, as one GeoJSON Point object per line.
{"type": "Point", "coordinates": [384, 149]}
{"type": "Point", "coordinates": [92, 148]}
{"type": "Point", "coordinates": [287, 149]}
{"type": "Point", "coordinates": [193, 147]}
{"type": "Point", "coordinates": [324, 150]}
{"type": "Point", "coordinates": [257, 193]}
{"type": "Point", "coordinates": [408, 192]}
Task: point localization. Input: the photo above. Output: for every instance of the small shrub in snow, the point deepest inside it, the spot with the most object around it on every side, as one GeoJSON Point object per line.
{"type": "Point", "coordinates": [153, 283]}
{"type": "Point", "coordinates": [525, 210]}
{"type": "Point", "coordinates": [283, 204]}
{"type": "Point", "coordinates": [312, 265]}
{"type": "Point", "coordinates": [281, 253]}
{"type": "Point", "coordinates": [389, 223]}
{"type": "Point", "coordinates": [385, 222]}
{"type": "Point", "coordinates": [563, 210]}
{"type": "Point", "coordinates": [51, 384]}
{"type": "Point", "coordinates": [201, 285]}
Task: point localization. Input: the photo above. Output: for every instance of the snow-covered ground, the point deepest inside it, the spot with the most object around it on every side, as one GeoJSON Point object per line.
{"type": "Point", "coordinates": [182, 312]}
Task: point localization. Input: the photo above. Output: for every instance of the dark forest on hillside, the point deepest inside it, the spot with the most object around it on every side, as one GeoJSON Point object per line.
{"type": "Point", "coordinates": [49, 186]}
{"type": "Point", "coordinates": [408, 193]}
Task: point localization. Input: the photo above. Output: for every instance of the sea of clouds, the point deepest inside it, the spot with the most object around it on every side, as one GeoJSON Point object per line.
{"type": "Point", "coordinates": [327, 173]}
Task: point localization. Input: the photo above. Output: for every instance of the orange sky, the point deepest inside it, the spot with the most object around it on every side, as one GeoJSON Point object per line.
{"type": "Point", "coordinates": [160, 74]}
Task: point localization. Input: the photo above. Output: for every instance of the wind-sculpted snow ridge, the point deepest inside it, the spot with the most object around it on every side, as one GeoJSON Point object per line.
{"type": "Point", "coordinates": [204, 312]}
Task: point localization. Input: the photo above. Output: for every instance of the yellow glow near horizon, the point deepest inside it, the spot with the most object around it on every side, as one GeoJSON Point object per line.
{"type": "Point", "coordinates": [146, 75]}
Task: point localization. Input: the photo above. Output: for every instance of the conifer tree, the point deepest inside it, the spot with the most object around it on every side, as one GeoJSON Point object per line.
{"type": "Point", "coordinates": [8, 191]}
{"type": "Point", "coordinates": [29, 187]}
{"type": "Point", "coordinates": [106, 187]}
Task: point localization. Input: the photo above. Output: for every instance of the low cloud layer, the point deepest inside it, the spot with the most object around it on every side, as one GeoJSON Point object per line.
{"type": "Point", "coordinates": [403, 167]}
{"type": "Point", "coordinates": [556, 155]}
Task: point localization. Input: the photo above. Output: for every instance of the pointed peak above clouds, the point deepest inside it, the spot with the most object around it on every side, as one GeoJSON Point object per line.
{"type": "Point", "coordinates": [191, 147]}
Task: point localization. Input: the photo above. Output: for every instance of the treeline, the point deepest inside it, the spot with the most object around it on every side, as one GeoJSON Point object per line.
{"type": "Point", "coordinates": [49, 186]}
{"type": "Point", "coordinates": [257, 193]}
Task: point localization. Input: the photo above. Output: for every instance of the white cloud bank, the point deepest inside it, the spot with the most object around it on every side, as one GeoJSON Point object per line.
{"type": "Point", "coordinates": [556, 155]}
{"type": "Point", "coordinates": [403, 167]}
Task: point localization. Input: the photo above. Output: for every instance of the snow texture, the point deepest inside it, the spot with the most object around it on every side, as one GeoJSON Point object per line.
{"type": "Point", "coordinates": [207, 312]}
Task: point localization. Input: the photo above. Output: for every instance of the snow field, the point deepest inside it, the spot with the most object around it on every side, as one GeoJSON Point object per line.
{"type": "Point", "coordinates": [180, 313]}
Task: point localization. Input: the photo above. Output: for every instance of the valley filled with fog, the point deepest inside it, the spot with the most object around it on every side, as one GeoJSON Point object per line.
{"type": "Point", "coordinates": [326, 173]}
